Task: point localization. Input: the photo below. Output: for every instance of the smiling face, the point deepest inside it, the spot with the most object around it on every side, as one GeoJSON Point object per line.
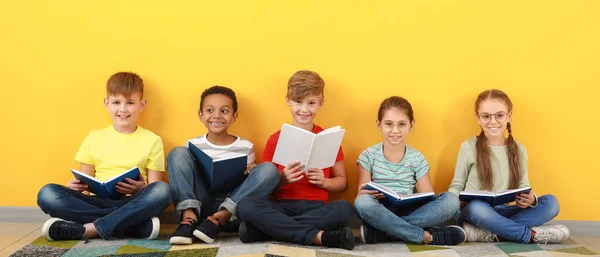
{"type": "Point", "coordinates": [493, 115]}
{"type": "Point", "coordinates": [125, 110]}
{"type": "Point", "coordinates": [394, 126]}
{"type": "Point", "coordinates": [217, 113]}
{"type": "Point", "coordinates": [305, 110]}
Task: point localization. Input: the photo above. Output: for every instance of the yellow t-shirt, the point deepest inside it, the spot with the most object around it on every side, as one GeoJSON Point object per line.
{"type": "Point", "coordinates": [112, 152]}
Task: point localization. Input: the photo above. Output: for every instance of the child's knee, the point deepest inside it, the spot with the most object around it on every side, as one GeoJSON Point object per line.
{"type": "Point", "coordinates": [245, 208]}
{"type": "Point", "coordinates": [343, 210]}
{"type": "Point", "coordinates": [476, 210]}
{"type": "Point", "coordinates": [551, 203]}
{"type": "Point", "coordinates": [47, 196]}
{"type": "Point", "coordinates": [267, 172]}
{"type": "Point", "coordinates": [161, 191]}
{"type": "Point", "coordinates": [450, 202]}
{"type": "Point", "coordinates": [363, 203]}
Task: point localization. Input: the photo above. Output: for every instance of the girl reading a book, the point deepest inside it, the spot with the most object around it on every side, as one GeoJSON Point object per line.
{"type": "Point", "coordinates": [495, 163]}
{"type": "Point", "coordinates": [397, 166]}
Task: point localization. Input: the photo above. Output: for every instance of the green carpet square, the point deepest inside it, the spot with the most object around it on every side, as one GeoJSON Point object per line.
{"type": "Point", "coordinates": [510, 248]}
{"type": "Point", "coordinates": [578, 250]}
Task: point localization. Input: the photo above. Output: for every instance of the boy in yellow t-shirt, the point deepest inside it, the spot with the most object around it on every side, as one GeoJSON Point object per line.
{"type": "Point", "coordinates": [104, 154]}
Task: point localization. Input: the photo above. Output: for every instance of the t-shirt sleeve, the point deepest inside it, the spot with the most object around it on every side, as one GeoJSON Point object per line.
{"type": "Point", "coordinates": [84, 154]}
{"type": "Point", "coordinates": [421, 167]}
{"type": "Point", "coordinates": [269, 149]}
{"type": "Point", "coordinates": [366, 160]}
{"type": "Point", "coordinates": [251, 155]}
{"type": "Point", "coordinates": [156, 158]}
{"type": "Point", "coordinates": [340, 155]}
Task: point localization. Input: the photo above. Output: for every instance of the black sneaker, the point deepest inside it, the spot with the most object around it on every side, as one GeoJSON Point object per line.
{"type": "Point", "coordinates": [148, 229]}
{"type": "Point", "coordinates": [371, 235]}
{"type": "Point", "coordinates": [56, 229]}
{"type": "Point", "coordinates": [339, 238]}
{"type": "Point", "coordinates": [249, 233]}
{"type": "Point", "coordinates": [207, 231]}
{"type": "Point", "coordinates": [449, 235]}
{"type": "Point", "coordinates": [183, 234]}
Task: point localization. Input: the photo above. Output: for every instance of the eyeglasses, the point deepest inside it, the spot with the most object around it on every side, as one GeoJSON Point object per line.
{"type": "Point", "coordinates": [486, 118]}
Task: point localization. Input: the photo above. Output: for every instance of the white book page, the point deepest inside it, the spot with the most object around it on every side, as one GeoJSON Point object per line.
{"type": "Point", "coordinates": [87, 176]}
{"type": "Point", "coordinates": [417, 195]}
{"type": "Point", "coordinates": [325, 149]}
{"type": "Point", "coordinates": [229, 157]}
{"type": "Point", "coordinates": [113, 178]}
{"type": "Point", "coordinates": [329, 130]}
{"type": "Point", "coordinates": [505, 192]}
{"type": "Point", "coordinates": [294, 145]}
{"type": "Point", "coordinates": [477, 192]}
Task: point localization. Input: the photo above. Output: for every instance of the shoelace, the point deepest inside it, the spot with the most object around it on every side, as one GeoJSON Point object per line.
{"type": "Point", "coordinates": [546, 236]}
{"type": "Point", "coordinates": [70, 231]}
{"type": "Point", "coordinates": [490, 238]}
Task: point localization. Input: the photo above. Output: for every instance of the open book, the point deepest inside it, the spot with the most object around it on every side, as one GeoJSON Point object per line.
{"type": "Point", "coordinates": [502, 197]}
{"type": "Point", "coordinates": [106, 189]}
{"type": "Point", "coordinates": [393, 201]}
{"type": "Point", "coordinates": [220, 175]}
{"type": "Point", "coordinates": [313, 150]}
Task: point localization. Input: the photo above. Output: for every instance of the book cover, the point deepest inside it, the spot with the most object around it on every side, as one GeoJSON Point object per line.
{"type": "Point", "coordinates": [106, 189]}
{"type": "Point", "coordinates": [393, 201]}
{"type": "Point", "coordinates": [220, 175]}
{"type": "Point", "coordinates": [503, 197]}
{"type": "Point", "coordinates": [313, 150]}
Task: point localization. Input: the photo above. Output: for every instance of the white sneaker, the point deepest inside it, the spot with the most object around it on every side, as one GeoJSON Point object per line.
{"type": "Point", "coordinates": [477, 234]}
{"type": "Point", "coordinates": [551, 234]}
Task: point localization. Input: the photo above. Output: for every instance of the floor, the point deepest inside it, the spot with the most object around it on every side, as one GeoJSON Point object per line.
{"type": "Point", "coordinates": [13, 236]}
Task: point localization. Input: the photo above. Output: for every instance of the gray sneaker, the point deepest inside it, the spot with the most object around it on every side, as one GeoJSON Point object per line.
{"type": "Point", "coordinates": [477, 234]}
{"type": "Point", "coordinates": [551, 234]}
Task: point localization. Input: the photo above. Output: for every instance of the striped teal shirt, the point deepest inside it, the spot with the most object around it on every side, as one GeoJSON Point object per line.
{"type": "Point", "coordinates": [400, 177]}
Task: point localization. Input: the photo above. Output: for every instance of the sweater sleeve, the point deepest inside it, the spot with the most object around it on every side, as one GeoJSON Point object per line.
{"type": "Point", "coordinates": [461, 171]}
{"type": "Point", "coordinates": [524, 179]}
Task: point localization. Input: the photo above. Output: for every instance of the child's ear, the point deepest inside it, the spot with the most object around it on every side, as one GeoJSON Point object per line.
{"type": "Point", "coordinates": [235, 115]}
{"type": "Point", "coordinates": [509, 116]}
{"type": "Point", "coordinates": [321, 103]}
{"type": "Point", "coordinates": [106, 102]}
{"type": "Point", "coordinates": [412, 124]}
{"type": "Point", "coordinates": [288, 101]}
{"type": "Point", "coordinates": [200, 114]}
{"type": "Point", "coordinates": [142, 104]}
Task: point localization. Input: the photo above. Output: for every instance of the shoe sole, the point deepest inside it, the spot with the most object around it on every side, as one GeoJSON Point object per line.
{"type": "Point", "coordinates": [46, 228]}
{"type": "Point", "coordinates": [155, 228]}
{"type": "Point", "coordinates": [362, 234]}
{"type": "Point", "coordinates": [180, 240]}
{"type": "Point", "coordinates": [350, 238]}
{"type": "Point", "coordinates": [203, 237]}
{"type": "Point", "coordinates": [464, 233]}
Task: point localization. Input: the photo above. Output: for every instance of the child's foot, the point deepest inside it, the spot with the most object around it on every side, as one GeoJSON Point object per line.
{"type": "Point", "coordinates": [339, 238]}
{"type": "Point", "coordinates": [477, 234]}
{"type": "Point", "coordinates": [371, 235]}
{"type": "Point", "coordinates": [207, 231]}
{"type": "Point", "coordinates": [183, 234]}
{"type": "Point", "coordinates": [249, 233]}
{"type": "Point", "coordinates": [550, 234]}
{"type": "Point", "coordinates": [56, 229]}
{"type": "Point", "coordinates": [148, 229]}
{"type": "Point", "coordinates": [449, 235]}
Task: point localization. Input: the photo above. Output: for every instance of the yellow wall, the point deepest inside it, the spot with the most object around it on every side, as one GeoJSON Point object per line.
{"type": "Point", "coordinates": [55, 57]}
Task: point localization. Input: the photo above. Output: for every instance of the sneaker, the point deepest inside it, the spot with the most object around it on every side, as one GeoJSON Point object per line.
{"type": "Point", "coordinates": [448, 235]}
{"type": "Point", "coordinates": [477, 234]}
{"type": "Point", "coordinates": [249, 233]}
{"type": "Point", "coordinates": [339, 238]}
{"type": "Point", "coordinates": [371, 235]}
{"type": "Point", "coordinates": [56, 229]}
{"type": "Point", "coordinates": [551, 234]}
{"type": "Point", "coordinates": [207, 231]}
{"type": "Point", "coordinates": [183, 234]}
{"type": "Point", "coordinates": [148, 229]}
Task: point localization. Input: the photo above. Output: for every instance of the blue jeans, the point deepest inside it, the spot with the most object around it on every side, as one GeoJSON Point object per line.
{"type": "Point", "coordinates": [108, 216]}
{"type": "Point", "coordinates": [190, 192]}
{"type": "Point", "coordinates": [407, 224]}
{"type": "Point", "coordinates": [510, 222]}
{"type": "Point", "coordinates": [297, 221]}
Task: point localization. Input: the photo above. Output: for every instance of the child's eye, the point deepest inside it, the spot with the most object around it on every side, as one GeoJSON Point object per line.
{"type": "Point", "coordinates": [116, 102]}
{"type": "Point", "coordinates": [209, 110]}
{"type": "Point", "coordinates": [387, 124]}
{"type": "Point", "coordinates": [224, 111]}
{"type": "Point", "coordinates": [130, 103]}
{"type": "Point", "coordinates": [402, 124]}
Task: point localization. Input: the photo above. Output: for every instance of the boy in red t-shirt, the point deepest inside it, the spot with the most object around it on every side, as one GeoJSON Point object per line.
{"type": "Point", "coordinates": [300, 213]}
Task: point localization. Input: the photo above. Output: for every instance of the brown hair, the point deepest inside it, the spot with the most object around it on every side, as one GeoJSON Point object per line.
{"type": "Point", "coordinates": [484, 166]}
{"type": "Point", "coordinates": [395, 102]}
{"type": "Point", "coordinates": [304, 83]}
{"type": "Point", "coordinates": [125, 83]}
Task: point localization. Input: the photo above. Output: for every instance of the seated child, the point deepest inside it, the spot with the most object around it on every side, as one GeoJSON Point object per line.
{"type": "Point", "coordinates": [399, 167]}
{"type": "Point", "coordinates": [193, 201]}
{"type": "Point", "coordinates": [104, 154]}
{"type": "Point", "coordinates": [300, 213]}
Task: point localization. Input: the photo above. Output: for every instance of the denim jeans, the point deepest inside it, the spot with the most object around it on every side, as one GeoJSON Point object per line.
{"type": "Point", "coordinates": [510, 222]}
{"type": "Point", "coordinates": [190, 192]}
{"type": "Point", "coordinates": [407, 223]}
{"type": "Point", "coordinates": [108, 216]}
{"type": "Point", "coordinates": [297, 221]}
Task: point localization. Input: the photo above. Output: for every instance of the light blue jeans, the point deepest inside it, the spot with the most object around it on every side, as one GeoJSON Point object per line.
{"type": "Point", "coordinates": [407, 224]}
{"type": "Point", "coordinates": [510, 222]}
{"type": "Point", "coordinates": [190, 192]}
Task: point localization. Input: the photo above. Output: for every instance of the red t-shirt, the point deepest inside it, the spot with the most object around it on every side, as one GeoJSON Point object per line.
{"type": "Point", "coordinates": [299, 190]}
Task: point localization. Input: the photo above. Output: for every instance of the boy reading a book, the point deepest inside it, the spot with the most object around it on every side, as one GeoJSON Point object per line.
{"type": "Point", "coordinates": [299, 212]}
{"type": "Point", "coordinates": [104, 154]}
{"type": "Point", "coordinates": [193, 200]}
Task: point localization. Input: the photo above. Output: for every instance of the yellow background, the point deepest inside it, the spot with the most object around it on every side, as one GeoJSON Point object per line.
{"type": "Point", "coordinates": [55, 57]}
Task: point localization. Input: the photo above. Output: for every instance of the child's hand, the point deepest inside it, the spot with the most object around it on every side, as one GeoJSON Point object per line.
{"type": "Point", "coordinates": [292, 173]}
{"type": "Point", "coordinates": [525, 200]}
{"type": "Point", "coordinates": [132, 186]}
{"type": "Point", "coordinates": [249, 168]}
{"type": "Point", "coordinates": [77, 185]}
{"type": "Point", "coordinates": [375, 193]}
{"type": "Point", "coordinates": [316, 176]}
